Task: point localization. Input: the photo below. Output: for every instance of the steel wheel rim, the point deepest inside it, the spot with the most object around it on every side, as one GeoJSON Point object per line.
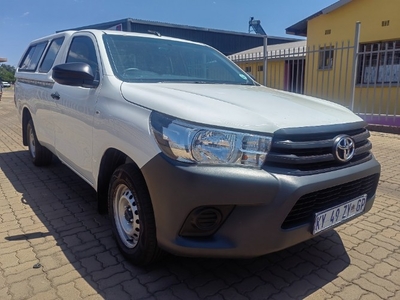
{"type": "Point", "coordinates": [126, 216]}
{"type": "Point", "coordinates": [32, 146]}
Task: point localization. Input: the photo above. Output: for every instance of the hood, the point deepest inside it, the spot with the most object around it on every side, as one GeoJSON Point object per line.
{"type": "Point", "coordinates": [252, 108]}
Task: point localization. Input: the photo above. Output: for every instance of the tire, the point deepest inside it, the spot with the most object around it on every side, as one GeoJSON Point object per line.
{"type": "Point", "coordinates": [40, 155]}
{"type": "Point", "coordinates": [132, 216]}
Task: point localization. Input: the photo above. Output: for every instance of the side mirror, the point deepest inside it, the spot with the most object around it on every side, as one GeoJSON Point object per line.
{"type": "Point", "coordinates": [75, 74]}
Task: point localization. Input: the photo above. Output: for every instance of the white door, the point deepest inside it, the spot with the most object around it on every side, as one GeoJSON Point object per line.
{"type": "Point", "coordinates": [74, 129]}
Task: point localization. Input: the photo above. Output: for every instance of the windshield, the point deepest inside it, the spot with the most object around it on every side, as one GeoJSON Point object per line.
{"type": "Point", "coordinates": [141, 59]}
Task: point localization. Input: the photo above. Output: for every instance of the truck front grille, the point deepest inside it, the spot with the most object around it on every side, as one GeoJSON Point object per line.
{"type": "Point", "coordinates": [312, 153]}
{"type": "Point", "coordinates": [309, 204]}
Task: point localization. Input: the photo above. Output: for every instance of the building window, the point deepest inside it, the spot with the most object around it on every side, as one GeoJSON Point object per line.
{"type": "Point", "coordinates": [325, 61]}
{"type": "Point", "coordinates": [260, 68]}
{"type": "Point", "coordinates": [379, 63]}
{"type": "Point", "coordinates": [247, 69]}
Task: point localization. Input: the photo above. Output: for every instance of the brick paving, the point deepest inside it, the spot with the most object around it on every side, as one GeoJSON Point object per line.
{"type": "Point", "coordinates": [54, 244]}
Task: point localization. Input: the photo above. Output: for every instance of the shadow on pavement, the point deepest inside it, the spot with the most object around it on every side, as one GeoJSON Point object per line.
{"type": "Point", "coordinates": [66, 206]}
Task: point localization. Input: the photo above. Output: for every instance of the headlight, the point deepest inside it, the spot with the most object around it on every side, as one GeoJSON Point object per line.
{"type": "Point", "coordinates": [191, 143]}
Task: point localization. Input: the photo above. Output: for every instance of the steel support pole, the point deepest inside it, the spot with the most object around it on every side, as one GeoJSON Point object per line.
{"type": "Point", "coordinates": [355, 64]}
{"type": "Point", "coordinates": [265, 61]}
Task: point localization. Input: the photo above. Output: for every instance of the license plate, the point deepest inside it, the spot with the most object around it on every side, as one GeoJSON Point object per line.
{"type": "Point", "coordinates": [338, 214]}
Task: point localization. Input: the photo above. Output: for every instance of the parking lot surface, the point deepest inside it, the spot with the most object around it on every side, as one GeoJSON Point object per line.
{"type": "Point", "coordinates": [54, 244]}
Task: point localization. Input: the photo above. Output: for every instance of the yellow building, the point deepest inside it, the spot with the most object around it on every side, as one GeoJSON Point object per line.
{"type": "Point", "coordinates": [366, 66]}
{"type": "Point", "coordinates": [356, 66]}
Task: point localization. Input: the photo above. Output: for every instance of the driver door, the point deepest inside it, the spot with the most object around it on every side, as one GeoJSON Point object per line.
{"type": "Point", "coordinates": [74, 130]}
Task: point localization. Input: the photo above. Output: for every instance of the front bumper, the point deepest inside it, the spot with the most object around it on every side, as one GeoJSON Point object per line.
{"type": "Point", "coordinates": [261, 203]}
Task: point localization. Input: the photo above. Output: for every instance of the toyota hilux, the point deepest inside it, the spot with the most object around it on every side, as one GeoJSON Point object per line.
{"type": "Point", "coordinates": [187, 153]}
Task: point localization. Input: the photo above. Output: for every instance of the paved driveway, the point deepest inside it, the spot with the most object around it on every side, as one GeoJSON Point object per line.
{"type": "Point", "coordinates": [54, 244]}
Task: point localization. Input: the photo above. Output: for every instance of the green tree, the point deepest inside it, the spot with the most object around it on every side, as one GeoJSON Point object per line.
{"type": "Point", "coordinates": [7, 73]}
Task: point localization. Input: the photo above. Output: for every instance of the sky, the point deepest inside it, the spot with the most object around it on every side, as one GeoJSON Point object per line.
{"type": "Point", "coordinates": [22, 21]}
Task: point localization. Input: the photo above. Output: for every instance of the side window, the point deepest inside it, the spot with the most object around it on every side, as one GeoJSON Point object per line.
{"type": "Point", "coordinates": [32, 57]}
{"type": "Point", "coordinates": [326, 55]}
{"type": "Point", "coordinates": [82, 50]}
{"type": "Point", "coordinates": [50, 55]}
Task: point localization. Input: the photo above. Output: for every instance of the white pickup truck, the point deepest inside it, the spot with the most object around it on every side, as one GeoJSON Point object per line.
{"type": "Point", "coordinates": [186, 152]}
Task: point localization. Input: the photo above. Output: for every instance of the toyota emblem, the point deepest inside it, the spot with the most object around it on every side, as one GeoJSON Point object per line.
{"type": "Point", "coordinates": [343, 148]}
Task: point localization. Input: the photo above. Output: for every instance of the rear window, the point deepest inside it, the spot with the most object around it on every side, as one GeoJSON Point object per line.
{"type": "Point", "coordinates": [32, 57]}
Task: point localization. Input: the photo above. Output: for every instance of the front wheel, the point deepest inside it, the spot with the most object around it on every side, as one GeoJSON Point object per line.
{"type": "Point", "coordinates": [40, 155]}
{"type": "Point", "coordinates": [132, 216]}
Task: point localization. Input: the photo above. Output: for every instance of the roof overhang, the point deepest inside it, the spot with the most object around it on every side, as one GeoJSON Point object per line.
{"type": "Point", "coordinates": [2, 59]}
{"type": "Point", "coordinates": [300, 28]}
{"type": "Point", "coordinates": [286, 51]}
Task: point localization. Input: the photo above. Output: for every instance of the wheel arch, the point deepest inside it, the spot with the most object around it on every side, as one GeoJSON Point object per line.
{"type": "Point", "coordinates": [111, 160]}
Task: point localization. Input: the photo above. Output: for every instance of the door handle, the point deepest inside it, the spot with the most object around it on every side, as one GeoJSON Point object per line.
{"type": "Point", "coordinates": [55, 96]}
